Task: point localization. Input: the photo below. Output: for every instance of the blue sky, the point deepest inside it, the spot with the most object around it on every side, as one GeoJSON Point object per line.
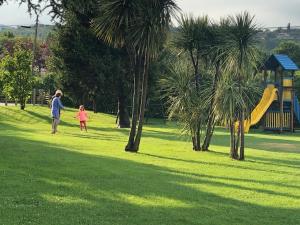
{"type": "Point", "coordinates": [267, 12]}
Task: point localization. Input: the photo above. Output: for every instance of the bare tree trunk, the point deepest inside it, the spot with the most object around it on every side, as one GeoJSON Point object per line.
{"type": "Point", "coordinates": [22, 104]}
{"type": "Point", "coordinates": [135, 106]}
{"type": "Point", "coordinates": [123, 115]}
{"type": "Point", "coordinates": [123, 120]}
{"type": "Point", "coordinates": [5, 100]}
{"type": "Point", "coordinates": [94, 105]}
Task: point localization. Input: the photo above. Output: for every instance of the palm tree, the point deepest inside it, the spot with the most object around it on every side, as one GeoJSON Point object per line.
{"type": "Point", "coordinates": [185, 102]}
{"type": "Point", "coordinates": [241, 56]}
{"type": "Point", "coordinates": [113, 27]}
{"type": "Point", "coordinates": [217, 42]}
{"type": "Point", "coordinates": [194, 37]}
{"type": "Point", "coordinates": [140, 27]}
{"type": "Point", "coordinates": [231, 97]}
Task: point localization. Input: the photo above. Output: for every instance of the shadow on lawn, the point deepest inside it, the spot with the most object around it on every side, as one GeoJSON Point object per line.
{"type": "Point", "coordinates": [262, 143]}
{"type": "Point", "coordinates": [52, 185]}
{"type": "Point", "coordinates": [244, 167]}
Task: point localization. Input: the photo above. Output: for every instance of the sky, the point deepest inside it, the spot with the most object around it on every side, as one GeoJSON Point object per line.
{"type": "Point", "coordinates": [268, 13]}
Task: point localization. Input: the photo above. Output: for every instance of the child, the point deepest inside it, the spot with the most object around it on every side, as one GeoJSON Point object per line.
{"type": "Point", "coordinates": [82, 116]}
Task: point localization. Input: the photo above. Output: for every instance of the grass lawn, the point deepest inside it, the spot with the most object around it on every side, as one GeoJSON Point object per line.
{"type": "Point", "coordinates": [78, 178]}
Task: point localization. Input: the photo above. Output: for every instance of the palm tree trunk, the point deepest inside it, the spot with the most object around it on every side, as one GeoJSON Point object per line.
{"type": "Point", "coordinates": [232, 140]}
{"type": "Point", "coordinates": [209, 130]}
{"type": "Point", "coordinates": [198, 137]}
{"type": "Point", "coordinates": [142, 106]}
{"type": "Point", "coordinates": [211, 117]}
{"type": "Point", "coordinates": [237, 141]}
{"type": "Point", "coordinates": [209, 133]}
{"type": "Point", "coordinates": [135, 105]}
{"type": "Point", "coordinates": [242, 134]}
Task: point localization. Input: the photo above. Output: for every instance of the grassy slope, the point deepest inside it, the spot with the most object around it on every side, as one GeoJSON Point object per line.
{"type": "Point", "coordinates": [86, 178]}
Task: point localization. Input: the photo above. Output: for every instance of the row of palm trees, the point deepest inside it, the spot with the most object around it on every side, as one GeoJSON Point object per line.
{"type": "Point", "coordinates": [220, 57]}
{"type": "Point", "coordinates": [216, 83]}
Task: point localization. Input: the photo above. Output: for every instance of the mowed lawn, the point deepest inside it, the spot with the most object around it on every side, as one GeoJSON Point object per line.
{"type": "Point", "coordinates": [78, 178]}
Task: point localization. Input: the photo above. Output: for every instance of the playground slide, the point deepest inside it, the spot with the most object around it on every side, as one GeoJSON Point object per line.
{"type": "Point", "coordinates": [269, 95]}
{"type": "Point", "coordinates": [297, 108]}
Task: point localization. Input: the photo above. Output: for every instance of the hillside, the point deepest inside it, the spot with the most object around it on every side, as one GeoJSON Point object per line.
{"type": "Point", "coordinates": [270, 39]}
{"type": "Point", "coordinates": [43, 31]}
{"type": "Point", "coordinates": [75, 178]}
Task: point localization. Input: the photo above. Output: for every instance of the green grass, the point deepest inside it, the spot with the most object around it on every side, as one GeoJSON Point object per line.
{"type": "Point", "coordinates": [83, 178]}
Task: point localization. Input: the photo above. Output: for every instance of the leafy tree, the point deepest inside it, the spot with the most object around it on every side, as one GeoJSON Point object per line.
{"type": "Point", "coordinates": [91, 72]}
{"type": "Point", "coordinates": [16, 75]}
{"type": "Point", "coordinates": [290, 48]}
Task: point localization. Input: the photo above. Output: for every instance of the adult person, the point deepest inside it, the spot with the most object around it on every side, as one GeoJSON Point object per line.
{"type": "Point", "coordinates": [56, 106]}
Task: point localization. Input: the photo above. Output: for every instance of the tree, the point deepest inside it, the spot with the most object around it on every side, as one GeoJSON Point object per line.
{"type": "Point", "coordinates": [203, 42]}
{"type": "Point", "coordinates": [231, 98]}
{"type": "Point", "coordinates": [193, 37]}
{"type": "Point", "coordinates": [140, 27]}
{"type": "Point", "coordinates": [187, 100]}
{"type": "Point", "coordinates": [16, 75]}
{"type": "Point", "coordinates": [290, 48]}
{"type": "Point", "coordinates": [241, 57]}
{"type": "Point", "coordinates": [92, 73]}
{"type": "Point", "coordinates": [215, 57]}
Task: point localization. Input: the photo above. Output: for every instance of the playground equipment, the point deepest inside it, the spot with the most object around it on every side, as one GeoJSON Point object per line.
{"type": "Point", "coordinates": [279, 108]}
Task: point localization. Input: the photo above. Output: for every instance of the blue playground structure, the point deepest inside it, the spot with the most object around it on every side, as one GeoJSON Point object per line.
{"type": "Point", "coordinates": [279, 108]}
{"type": "Point", "coordinates": [284, 109]}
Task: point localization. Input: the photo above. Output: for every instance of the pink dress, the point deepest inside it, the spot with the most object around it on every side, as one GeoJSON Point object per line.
{"type": "Point", "coordinates": [82, 116]}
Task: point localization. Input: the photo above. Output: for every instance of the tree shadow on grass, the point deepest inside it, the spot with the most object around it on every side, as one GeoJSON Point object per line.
{"type": "Point", "coordinates": [97, 136]}
{"type": "Point", "coordinates": [225, 165]}
{"type": "Point", "coordinates": [290, 163]}
{"type": "Point", "coordinates": [246, 180]}
{"type": "Point", "coordinates": [55, 185]}
{"type": "Point", "coordinates": [265, 144]}
{"type": "Point", "coordinates": [8, 127]}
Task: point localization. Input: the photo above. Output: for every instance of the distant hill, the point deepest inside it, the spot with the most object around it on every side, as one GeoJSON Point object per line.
{"type": "Point", "coordinates": [43, 30]}
{"type": "Point", "coordinates": [270, 39]}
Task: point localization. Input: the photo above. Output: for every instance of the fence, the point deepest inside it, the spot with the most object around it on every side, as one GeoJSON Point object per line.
{"type": "Point", "coordinates": [41, 98]}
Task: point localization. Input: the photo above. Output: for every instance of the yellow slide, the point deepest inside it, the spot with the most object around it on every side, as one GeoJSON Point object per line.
{"type": "Point", "coordinates": [270, 95]}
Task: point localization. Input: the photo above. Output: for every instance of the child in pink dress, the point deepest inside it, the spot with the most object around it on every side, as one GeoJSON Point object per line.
{"type": "Point", "coordinates": [82, 117]}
